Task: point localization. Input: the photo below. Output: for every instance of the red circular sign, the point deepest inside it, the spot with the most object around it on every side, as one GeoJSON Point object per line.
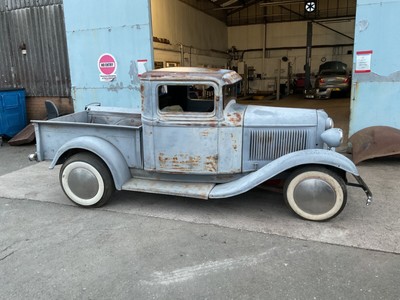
{"type": "Point", "coordinates": [107, 64]}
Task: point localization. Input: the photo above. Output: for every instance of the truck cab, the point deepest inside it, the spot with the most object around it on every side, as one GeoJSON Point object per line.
{"type": "Point", "coordinates": [190, 125]}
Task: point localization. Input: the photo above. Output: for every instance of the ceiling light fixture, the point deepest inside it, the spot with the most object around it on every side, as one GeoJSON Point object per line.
{"type": "Point", "coordinates": [228, 3]}
{"type": "Point", "coordinates": [280, 3]}
{"type": "Point", "coordinates": [229, 7]}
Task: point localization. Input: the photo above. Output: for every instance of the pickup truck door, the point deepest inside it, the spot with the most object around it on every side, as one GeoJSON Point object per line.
{"type": "Point", "coordinates": [185, 132]}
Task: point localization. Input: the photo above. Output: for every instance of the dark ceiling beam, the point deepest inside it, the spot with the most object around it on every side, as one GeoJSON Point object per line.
{"type": "Point", "coordinates": [334, 30]}
{"type": "Point", "coordinates": [316, 22]}
{"type": "Point", "coordinates": [246, 4]}
{"type": "Point", "coordinates": [215, 9]}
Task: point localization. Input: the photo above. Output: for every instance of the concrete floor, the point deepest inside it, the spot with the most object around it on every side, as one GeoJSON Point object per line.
{"type": "Point", "coordinates": [146, 246]}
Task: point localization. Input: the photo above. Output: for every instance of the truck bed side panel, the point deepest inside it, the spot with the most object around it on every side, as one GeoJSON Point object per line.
{"type": "Point", "coordinates": [52, 134]}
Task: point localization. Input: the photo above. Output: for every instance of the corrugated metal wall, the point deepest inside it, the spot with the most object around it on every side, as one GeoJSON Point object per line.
{"type": "Point", "coordinates": [37, 26]}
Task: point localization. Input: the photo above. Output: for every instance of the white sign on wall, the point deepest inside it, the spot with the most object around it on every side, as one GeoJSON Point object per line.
{"type": "Point", "coordinates": [363, 61]}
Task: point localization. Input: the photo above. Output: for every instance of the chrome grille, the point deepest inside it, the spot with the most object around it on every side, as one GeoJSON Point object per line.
{"type": "Point", "coordinates": [271, 144]}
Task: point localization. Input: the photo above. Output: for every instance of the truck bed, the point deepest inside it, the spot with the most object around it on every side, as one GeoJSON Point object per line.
{"type": "Point", "coordinates": [121, 128]}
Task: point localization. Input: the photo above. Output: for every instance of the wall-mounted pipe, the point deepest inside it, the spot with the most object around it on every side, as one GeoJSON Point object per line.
{"type": "Point", "coordinates": [263, 50]}
{"type": "Point", "coordinates": [293, 48]}
{"type": "Point", "coordinates": [182, 50]}
{"type": "Point", "coordinates": [193, 50]}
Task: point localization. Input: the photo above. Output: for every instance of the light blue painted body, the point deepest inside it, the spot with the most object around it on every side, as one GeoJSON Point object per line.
{"type": "Point", "coordinates": [374, 99]}
{"type": "Point", "coordinates": [111, 155]}
{"type": "Point", "coordinates": [214, 154]}
{"type": "Point", "coordinates": [119, 27]}
{"type": "Point", "coordinates": [283, 163]}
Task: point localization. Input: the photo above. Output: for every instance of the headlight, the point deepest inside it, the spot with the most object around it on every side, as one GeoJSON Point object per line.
{"type": "Point", "coordinates": [329, 123]}
{"type": "Point", "coordinates": [332, 137]}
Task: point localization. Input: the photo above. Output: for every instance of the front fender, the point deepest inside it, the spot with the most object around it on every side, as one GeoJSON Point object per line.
{"type": "Point", "coordinates": [112, 157]}
{"type": "Point", "coordinates": [283, 163]}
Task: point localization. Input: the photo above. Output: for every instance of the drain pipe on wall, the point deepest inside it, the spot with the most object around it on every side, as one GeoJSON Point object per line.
{"type": "Point", "coordinates": [263, 73]}
{"type": "Point", "coordinates": [182, 55]}
{"type": "Point", "coordinates": [278, 81]}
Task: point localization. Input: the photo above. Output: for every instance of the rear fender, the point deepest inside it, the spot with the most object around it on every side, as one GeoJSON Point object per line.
{"type": "Point", "coordinates": [112, 157]}
{"type": "Point", "coordinates": [281, 164]}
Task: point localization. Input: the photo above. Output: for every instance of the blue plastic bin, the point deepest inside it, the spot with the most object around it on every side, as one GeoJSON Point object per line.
{"type": "Point", "coordinates": [12, 112]}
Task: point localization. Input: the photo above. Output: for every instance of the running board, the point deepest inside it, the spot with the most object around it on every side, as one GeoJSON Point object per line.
{"type": "Point", "coordinates": [184, 189]}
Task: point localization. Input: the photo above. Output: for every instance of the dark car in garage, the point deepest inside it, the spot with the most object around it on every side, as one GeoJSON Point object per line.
{"type": "Point", "coordinates": [333, 77]}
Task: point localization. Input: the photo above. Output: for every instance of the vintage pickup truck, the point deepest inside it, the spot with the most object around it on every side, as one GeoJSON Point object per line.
{"type": "Point", "coordinates": [193, 139]}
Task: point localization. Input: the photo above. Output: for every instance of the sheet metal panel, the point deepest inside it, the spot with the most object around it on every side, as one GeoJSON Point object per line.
{"type": "Point", "coordinates": [121, 28]}
{"type": "Point", "coordinates": [6, 66]}
{"type": "Point", "coordinates": [7, 5]}
{"type": "Point", "coordinates": [43, 70]}
{"type": "Point", "coordinates": [53, 134]}
{"type": "Point", "coordinates": [374, 100]}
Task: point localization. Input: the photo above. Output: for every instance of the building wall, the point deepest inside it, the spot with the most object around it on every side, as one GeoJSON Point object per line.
{"type": "Point", "coordinates": [121, 28]}
{"type": "Point", "coordinates": [375, 94]}
{"type": "Point", "coordinates": [33, 48]}
{"type": "Point", "coordinates": [202, 38]}
{"type": "Point", "coordinates": [34, 53]}
{"type": "Point", "coordinates": [289, 39]}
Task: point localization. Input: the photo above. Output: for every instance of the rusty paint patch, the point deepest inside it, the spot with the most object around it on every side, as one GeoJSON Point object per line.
{"type": "Point", "coordinates": [212, 163]}
{"type": "Point", "coordinates": [180, 162]}
{"type": "Point", "coordinates": [205, 133]}
{"type": "Point", "coordinates": [235, 118]}
{"type": "Point", "coordinates": [116, 87]}
{"type": "Point", "coordinates": [190, 73]}
{"type": "Point", "coordinates": [234, 142]}
{"type": "Point", "coordinates": [142, 95]}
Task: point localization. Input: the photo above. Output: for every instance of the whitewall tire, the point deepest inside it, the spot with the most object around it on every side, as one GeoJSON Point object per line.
{"type": "Point", "coordinates": [315, 193]}
{"type": "Point", "coordinates": [86, 180]}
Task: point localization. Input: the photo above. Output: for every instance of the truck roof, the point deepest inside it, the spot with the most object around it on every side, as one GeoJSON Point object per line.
{"type": "Point", "coordinates": [221, 76]}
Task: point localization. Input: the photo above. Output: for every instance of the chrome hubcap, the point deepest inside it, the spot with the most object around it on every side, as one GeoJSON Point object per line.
{"type": "Point", "coordinates": [314, 196]}
{"type": "Point", "coordinates": [83, 183]}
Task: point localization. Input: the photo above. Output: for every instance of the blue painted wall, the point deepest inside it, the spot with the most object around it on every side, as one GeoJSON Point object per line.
{"type": "Point", "coordinates": [119, 27]}
{"type": "Point", "coordinates": [375, 96]}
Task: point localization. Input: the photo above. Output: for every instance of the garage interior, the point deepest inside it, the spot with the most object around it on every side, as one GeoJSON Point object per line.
{"type": "Point", "coordinates": [267, 42]}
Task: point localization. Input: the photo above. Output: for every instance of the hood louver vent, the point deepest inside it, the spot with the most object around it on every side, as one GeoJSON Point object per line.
{"type": "Point", "coordinates": [268, 145]}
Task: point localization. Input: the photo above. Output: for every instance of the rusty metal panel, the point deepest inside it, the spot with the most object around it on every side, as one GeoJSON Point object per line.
{"type": "Point", "coordinates": [33, 44]}
{"type": "Point", "coordinates": [181, 149]}
{"type": "Point", "coordinates": [375, 141]}
{"type": "Point", "coordinates": [220, 76]}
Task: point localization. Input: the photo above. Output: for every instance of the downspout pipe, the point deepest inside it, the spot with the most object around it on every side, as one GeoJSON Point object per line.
{"type": "Point", "coordinates": [182, 50]}
{"type": "Point", "coordinates": [263, 50]}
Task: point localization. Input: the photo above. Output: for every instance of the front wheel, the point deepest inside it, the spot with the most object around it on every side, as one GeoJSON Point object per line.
{"type": "Point", "coordinates": [315, 193]}
{"type": "Point", "coordinates": [86, 180]}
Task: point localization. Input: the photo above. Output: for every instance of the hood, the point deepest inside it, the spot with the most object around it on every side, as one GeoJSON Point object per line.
{"type": "Point", "coordinates": [264, 116]}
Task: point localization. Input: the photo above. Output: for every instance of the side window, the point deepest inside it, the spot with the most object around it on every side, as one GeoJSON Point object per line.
{"type": "Point", "coordinates": [175, 98]}
{"type": "Point", "coordinates": [230, 93]}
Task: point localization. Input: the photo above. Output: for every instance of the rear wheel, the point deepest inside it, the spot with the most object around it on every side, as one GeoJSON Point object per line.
{"type": "Point", "coordinates": [86, 180]}
{"type": "Point", "coordinates": [315, 193]}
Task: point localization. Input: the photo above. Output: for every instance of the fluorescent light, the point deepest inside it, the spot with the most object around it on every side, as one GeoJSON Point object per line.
{"type": "Point", "coordinates": [229, 7]}
{"type": "Point", "coordinates": [280, 2]}
{"type": "Point", "coordinates": [227, 3]}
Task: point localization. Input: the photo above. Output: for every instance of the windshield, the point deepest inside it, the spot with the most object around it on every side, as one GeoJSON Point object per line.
{"type": "Point", "coordinates": [230, 92]}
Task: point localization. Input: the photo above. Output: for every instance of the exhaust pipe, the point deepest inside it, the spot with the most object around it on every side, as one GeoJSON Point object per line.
{"type": "Point", "coordinates": [33, 157]}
